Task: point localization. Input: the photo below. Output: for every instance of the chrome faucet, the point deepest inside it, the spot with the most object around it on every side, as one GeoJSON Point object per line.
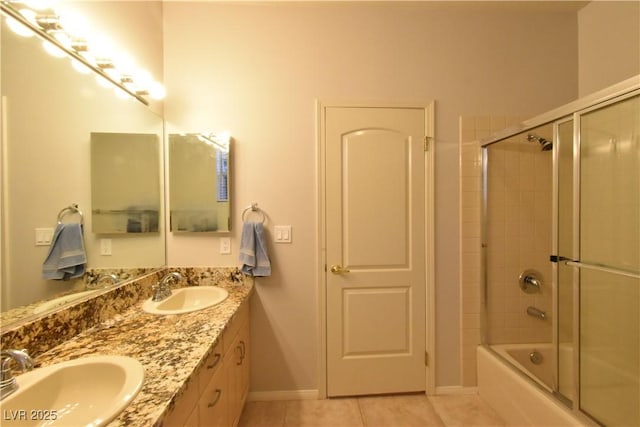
{"type": "Point", "coordinates": [8, 383]}
{"type": "Point", "coordinates": [108, 277]}
{"type": "Point", "coordinates": [162, 289]}
{"type": "Point", "coordinates": [96, 284]}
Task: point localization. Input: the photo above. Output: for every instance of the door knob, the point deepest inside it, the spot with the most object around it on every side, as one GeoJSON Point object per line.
{"type": "Point", "coordinates": [337, 269]}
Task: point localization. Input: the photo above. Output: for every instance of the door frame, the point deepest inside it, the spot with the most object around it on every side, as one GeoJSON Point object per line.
{"type": "Point", "coordinates": [429, 109]}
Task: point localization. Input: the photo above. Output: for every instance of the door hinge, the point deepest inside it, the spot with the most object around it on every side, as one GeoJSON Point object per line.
{"type": "Point", "coordinates": [426, 359]}
{"type": "Point", "coordinates": [427, 140]}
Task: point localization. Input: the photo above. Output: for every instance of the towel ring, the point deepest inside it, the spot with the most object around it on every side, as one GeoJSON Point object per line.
{"type": "Point", "coordinates": [253, 208]}
{"type": "Point", "coordinates": [70, 210]}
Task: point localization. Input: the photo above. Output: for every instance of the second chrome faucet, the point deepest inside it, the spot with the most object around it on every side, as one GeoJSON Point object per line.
{"type": "Point", "coordinates": [162, 289]}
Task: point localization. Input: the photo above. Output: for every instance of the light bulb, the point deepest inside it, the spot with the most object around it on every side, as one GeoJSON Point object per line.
{"type": "Point", "coordinates": [103, 82]}
{"type": "Point", "coordinates": [143, 79]}
{"type": "Point", "coordinates": [40, 4]}
{"type": "Point", "coordinates": [101, 46]}
{"type": "Point", "coordinates": [80, 67]}
{"type": "Point", "coordinates": [157, 91]}
{"type": "Point", "coordinates": [74, 23]}
{"type": "Point", "coordinates": [19, 28]}
{"type": "Point", "coordinates": [113, 73]}
{"type": "Point", "coordinates": [53, 50]}
{"type": "Point", "coordinates": [121, 93]}
{"type": "Point", "coordinates": [62, 37]}
{"type": "Point", "coordinates": [124, 63]}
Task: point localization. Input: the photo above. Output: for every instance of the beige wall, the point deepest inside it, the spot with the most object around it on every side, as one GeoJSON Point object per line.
{"type": "Point", "coordinates": [257, 70]}
{"type": "Point", "coordinates": [608, 44]}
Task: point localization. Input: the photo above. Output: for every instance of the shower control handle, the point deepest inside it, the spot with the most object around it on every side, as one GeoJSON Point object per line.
{"type": "Point", "coordinates": [530, 281]}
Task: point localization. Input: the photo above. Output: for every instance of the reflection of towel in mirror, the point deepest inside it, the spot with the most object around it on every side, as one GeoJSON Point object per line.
{"type": "Point", "coordinates": [253, 250]}
{"type": "Point", "coordinates": [66, 258]}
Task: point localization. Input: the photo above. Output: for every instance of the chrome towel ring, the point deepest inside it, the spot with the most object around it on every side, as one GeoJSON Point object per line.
{"type": "Point", "coordinates": [253, 208]}
{"type": "Point", "coordinates": [70, 210]}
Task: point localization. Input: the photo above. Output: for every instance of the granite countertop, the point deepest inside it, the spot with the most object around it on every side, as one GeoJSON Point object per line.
{"type": "Point", "coordinates": [169, 347]}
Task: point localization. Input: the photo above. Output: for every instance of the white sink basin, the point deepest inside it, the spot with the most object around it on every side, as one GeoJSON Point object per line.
{"type": "Point", "coordinates": [90, 391]}
{"type": "Point", "coordinates": [187, 299]}
{"type": "Point", "coordinates": [60, 301]}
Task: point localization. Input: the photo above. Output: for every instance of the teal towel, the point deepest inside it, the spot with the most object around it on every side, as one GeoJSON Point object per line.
{"type": "Point", "coordinates": [66, 258]}
{"type": "Point", "coordinates": [253, 250]}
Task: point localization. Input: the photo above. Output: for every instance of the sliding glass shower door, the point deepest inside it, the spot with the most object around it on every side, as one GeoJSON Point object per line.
{"type": "Point", "coordinates": [608, 266]}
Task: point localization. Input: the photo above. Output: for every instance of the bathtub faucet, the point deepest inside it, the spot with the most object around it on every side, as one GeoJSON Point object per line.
{"type": "Point", "coordinates": [535, 312]}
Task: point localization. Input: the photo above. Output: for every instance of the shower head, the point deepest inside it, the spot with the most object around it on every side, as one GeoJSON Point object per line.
{"type": "Point", "coordinates": [545, 143]}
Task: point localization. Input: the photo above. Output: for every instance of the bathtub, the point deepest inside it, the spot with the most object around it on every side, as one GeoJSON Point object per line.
{"type": "Point", "coordinates": [519, 355]}
{"type": "Point", "coordinates": [519, 400]}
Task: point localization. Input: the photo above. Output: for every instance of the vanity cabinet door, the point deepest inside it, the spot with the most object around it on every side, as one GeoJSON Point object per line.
{"type": "Point", "coordinates": [237, 365]}
{"type": "Point", "coordinates": [245, 363]}
{"type": "Point", "coordinates": [185, 406]}
{"type": "Point", "coordinates": [213, 404]}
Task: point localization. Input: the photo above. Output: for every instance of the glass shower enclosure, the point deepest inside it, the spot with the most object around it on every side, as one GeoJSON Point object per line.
{"type": "Point", "coordinates": [561, 255]}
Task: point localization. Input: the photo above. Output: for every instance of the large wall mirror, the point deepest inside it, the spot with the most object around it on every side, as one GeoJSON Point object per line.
{"type": "Point", "coordinates": [199, 179]}
{"type": "Point", "coordinates": [125, 186]}
{"type": "Point", "coordinates": [49, 113]}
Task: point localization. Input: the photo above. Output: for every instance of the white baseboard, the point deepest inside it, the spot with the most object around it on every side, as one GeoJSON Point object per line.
{"type": "Point", "coordinates": [262, 396]}
{"type": "Point", "coordinates": [456, 390]}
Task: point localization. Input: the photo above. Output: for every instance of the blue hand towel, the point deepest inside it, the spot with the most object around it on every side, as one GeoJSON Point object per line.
{"type": "Point", "coordinates": [66, 258]}
{"type": "Point", "coordinates": [253, 250]}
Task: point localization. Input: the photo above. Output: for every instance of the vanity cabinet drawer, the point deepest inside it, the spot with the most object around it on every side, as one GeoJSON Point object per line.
{"type": "Point", "coordinates": [213, 406]}
{"type": "Point", "coordinates": [211, 365]}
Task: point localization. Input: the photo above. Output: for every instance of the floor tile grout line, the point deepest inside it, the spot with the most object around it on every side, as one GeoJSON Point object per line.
{"type": "Point", "coordinates": [362, 418]}
{"type": "Point", "coordinates": [286, 412]}
{"type": "Point", "coordinates": [435, 410]}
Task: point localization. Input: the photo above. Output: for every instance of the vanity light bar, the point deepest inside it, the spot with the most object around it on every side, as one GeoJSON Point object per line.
{"type": "Point", "coordinates": [47, 26]}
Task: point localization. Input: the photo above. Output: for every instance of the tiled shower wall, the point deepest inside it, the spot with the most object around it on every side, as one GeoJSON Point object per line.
{"type": "Point", "coordinates": [519, 210]}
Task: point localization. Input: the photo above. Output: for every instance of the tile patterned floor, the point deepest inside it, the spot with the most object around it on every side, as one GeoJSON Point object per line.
{"type": "Point", "coordinates": [466, 410]}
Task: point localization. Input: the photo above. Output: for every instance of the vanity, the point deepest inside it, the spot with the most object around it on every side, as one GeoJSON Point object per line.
{"type": "Point", "coordinates": [196, 365]}
{"type": "Point", "coordinates": [216, 391]}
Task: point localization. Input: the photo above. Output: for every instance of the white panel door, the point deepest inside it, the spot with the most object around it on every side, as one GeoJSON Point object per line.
{"type": "Point", "coordinates": [375, 236]}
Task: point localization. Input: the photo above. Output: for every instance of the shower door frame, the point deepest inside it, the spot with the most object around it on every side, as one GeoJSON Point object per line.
{"type": "Point", "coordinates": [569, 112]}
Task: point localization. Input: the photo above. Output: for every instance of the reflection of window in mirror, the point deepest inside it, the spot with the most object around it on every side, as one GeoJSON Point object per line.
{"type": "Point", "coordinates": [125, 183]}
{"type": "Point", "coordinates": [199, 182]}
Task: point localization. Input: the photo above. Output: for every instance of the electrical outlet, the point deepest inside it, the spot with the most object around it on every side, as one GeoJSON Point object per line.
{"type": "Point", "coordinates": [105, 246]}
{"type": "Point", "coordinates": [225, 245]}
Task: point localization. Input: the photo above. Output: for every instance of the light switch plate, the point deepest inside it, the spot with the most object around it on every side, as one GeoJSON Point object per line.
{"type": "Point", "coordinates": [282, 233]}
{"type": "Point", "coordinates": [44, 236]}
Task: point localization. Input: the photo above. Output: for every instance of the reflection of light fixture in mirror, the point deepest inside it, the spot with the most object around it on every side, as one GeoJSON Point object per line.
{"type": "Point", "coordinates": [79, 67]}
{"type": "Point", "coordinates": [64, 36]}
{"type": "Point", "coordinates": [53, 50]}
{"type": "Point", "coordinates": [18, 27]}
{"type": "Point", "coordinates": [219, 141]}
